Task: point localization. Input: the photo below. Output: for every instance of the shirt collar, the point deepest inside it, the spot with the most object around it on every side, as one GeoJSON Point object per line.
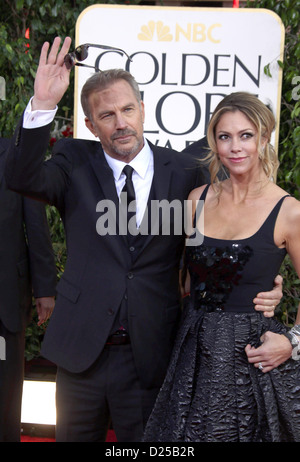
{"type": "Point", "coordinates": [140, 162]}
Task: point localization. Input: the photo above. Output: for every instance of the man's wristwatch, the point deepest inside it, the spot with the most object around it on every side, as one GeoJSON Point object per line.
{"type": "Point", "coordinates": [295, 342]}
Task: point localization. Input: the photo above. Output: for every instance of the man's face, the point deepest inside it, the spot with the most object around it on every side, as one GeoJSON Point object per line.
{"type": "Point", "coordinates": [117, 119]}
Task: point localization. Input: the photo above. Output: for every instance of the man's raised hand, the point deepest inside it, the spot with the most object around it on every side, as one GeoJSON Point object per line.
{"type": "Point", "coordinates": [52, 77]}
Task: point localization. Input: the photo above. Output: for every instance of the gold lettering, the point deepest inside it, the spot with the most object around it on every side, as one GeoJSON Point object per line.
{"type": "Point", "coordinates": [209, 33]}
{"type": "Point", "coordinates": [179, 30]}
{"type": "Point", "coordinates": [199, 33]}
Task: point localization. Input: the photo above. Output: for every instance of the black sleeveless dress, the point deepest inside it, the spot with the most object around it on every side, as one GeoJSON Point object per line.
{"type": "Point", "coordinates": [211, 391]}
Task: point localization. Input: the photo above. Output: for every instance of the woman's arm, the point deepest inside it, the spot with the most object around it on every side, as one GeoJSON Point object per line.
{"type": "Point", "coordinates": [277, 348]}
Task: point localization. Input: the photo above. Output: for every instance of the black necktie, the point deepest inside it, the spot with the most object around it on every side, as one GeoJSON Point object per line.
{"type": "Point", "coordinates": [129, 190]}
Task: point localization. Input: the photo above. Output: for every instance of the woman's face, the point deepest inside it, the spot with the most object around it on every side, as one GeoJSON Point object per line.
{"type": "Point", "coordinates": [237, 140]}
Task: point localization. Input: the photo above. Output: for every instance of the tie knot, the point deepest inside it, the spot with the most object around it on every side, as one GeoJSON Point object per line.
{"type": "Point", "coordinates": [128, 170]}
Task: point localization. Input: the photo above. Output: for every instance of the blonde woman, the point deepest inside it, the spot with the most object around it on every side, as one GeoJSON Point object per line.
{"type": "Point", "coordinates": [215, 388]}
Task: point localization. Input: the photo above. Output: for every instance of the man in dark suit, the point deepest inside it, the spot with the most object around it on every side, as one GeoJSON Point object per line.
{"type": "Point", "coordinates": [27, 268]}
{"type": "Point", "coordinates": [118, 302]}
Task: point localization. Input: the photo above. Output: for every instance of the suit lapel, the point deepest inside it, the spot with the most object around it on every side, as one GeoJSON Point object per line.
{"type": "Point", "coordinates": [160, 189]}
{"type": "Point", "coordinates": [104, 175]}
{"type": "Point", "coordinates": [162, 174]}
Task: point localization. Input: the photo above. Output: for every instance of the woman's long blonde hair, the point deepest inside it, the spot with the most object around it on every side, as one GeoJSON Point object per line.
{"type": "Point", "coordinates": [263, 120]}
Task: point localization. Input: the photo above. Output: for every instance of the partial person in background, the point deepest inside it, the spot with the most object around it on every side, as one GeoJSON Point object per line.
{"type": "Point", "coordinates": [199, 150]}
{"type": "Point", "coordinates": [27, 269]}
{"type": "Point", "coordinates": [211, 393]}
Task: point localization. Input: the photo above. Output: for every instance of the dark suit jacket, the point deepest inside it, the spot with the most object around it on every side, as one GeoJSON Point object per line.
{"type": "Point", "coordinates": [26, 255]}
{"type": "Point", "coordinates": [102, 270]}
{"type": "Point", "coordinates": [199, 150]}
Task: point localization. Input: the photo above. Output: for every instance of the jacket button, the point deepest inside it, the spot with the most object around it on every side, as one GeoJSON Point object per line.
{"type": "Point", "coordinates": [130, 275]}
{"type": "Point", "coordinates": [132, 249]}
{"type": "Point", "coordinates": [110, 311]}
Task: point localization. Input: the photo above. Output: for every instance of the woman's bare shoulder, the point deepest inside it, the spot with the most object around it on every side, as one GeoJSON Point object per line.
{"type": "Point", "coordinates": [195, 194]}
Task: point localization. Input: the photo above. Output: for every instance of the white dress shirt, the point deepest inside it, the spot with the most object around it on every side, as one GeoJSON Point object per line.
{"type": "Point", "coordinates": [142, 177]}
{"type": "Point", "coordinates": [36, 119]}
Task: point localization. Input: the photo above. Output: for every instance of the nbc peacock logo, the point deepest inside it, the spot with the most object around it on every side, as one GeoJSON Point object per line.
{"type": "Point", "coordinates": [191, 32]}
{"type": "Point", "coordinates": [155, 30]}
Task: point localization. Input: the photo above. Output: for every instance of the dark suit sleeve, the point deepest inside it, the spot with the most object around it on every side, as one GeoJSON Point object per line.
{"type": "Point", "coordinates": [41, 255]}
{"type": "Point", "coordinates": [28, 173]}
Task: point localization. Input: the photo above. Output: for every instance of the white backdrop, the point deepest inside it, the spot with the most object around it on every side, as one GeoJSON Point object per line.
{"type": "Point", "coordinates": [185, 60]}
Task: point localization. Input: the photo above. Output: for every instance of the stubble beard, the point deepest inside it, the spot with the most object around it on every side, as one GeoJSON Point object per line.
{"type": "Point", "coordinates": [125, 152]}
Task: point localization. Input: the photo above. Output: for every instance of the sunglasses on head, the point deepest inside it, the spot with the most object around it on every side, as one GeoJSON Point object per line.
{"type": "Point", "coordinates": [81, 53]}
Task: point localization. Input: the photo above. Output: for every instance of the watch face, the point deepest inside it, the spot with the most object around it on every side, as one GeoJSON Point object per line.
{"type": "Point", "coordinates": [295, 341]}
{"type": "Point", "coordinates": [296, 353]}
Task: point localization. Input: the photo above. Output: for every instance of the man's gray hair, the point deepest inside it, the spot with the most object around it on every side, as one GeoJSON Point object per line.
{"type": "Point", "coordinates": [103, 79]}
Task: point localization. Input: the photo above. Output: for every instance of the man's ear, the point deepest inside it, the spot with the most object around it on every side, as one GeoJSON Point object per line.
{"type": "Point", "coordinates": [143, 110]}
{"type": "Point", "coordinates": [89, 124]}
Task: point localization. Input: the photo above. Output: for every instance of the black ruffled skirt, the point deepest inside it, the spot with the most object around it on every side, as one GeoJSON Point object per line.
{"type": "Point", "coordinates": [213, 394]}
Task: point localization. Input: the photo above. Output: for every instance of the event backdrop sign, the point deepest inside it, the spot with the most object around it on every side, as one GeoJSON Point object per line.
{"type": "Point", "coordinates": [185, 61]}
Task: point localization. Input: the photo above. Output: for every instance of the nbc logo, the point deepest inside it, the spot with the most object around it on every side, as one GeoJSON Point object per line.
{"type": "Point", "coordinates": [162, 32]}
{"type": "Point", "coordinates": [192, 32]}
